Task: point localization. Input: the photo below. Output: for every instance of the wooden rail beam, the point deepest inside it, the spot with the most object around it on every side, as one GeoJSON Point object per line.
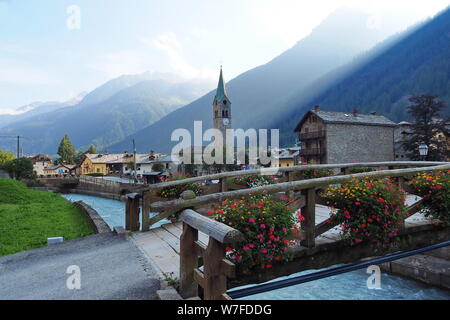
{"type": "Point", "coordinates": [132, 210]}
{"type": "Point", "coordinates": [309, 213]}
{"type": "Point", "coordinates": [217, 268]}
{"type": "Point", "coordinates": [188, 261]}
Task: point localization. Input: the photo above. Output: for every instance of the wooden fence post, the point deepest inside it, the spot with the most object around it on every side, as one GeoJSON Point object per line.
{"type": "Point", "coordinates": [188, 261]}
{"type": "Point", "coordinates": [290, 193]}
{"type": "Point", "coordinates": [215, 279]}
{"type": "Point", "coordinates": [309, 213]}
{"type": "Point", "coordinates": [223, 184]}
{"type": "Point", "coordinates": [146, 210]}
{"type": "Point", "coordinates": [132, 212]}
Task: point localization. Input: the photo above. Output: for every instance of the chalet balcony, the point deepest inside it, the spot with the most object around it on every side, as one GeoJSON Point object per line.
{"type": "Point", "coordinates": [312, 135]}
{"type": "Point", "coordinates": [312, 152]}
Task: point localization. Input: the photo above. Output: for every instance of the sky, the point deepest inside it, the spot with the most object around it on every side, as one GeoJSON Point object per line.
{"type": "Point", "coordinates": [52, 50]}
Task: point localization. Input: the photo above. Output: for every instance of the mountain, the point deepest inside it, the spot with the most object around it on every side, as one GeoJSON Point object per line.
{"type": "Point", "coordinates": [35, 108]}
{"type": "Point", "coordinates": [259, 96]}
{"type": "Point", "coordinates": [107, 114]}
{"type": "Point", "coordinates": [418, 63]}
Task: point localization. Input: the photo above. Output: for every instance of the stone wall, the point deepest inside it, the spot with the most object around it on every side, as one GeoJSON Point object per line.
{"type": "Point", "coordinates": [97, 222]}
{"type": "Point", "coordinates": [348, 143]}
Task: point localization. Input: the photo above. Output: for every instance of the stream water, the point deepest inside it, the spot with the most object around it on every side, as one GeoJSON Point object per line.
{"type": "Point", "coordinates": [348, 286]}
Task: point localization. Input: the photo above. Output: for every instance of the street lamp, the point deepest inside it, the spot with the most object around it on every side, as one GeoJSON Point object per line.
{"type": "Point", "coordinates": [423, 150]}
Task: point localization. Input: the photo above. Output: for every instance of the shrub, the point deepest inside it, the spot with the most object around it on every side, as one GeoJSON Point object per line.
{"type": "Point", "coordinates": [360, 170]}
{"type": "Point", "coordinates": [20, 168]}
{"type": "Point", "coordinates": [313, 173]}
{"type": "Point", "coordinates": [434, 188]}
{"type": "Point", "coordinates": [267, 226]}
{"type": "Point", "coordinates": [367, 209]}
{"type": "Point", "coordinates": [252, 181]}
{"type": "Point", "coordinates": [176, 191]}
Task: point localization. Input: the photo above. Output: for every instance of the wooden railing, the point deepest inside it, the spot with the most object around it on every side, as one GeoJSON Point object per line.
{"type": "Point", "coordinates": [162, 208]}
{"type": "Point", "coordinates": [305, 193]}
{"type": "Point", "coordinates": [216, 268]}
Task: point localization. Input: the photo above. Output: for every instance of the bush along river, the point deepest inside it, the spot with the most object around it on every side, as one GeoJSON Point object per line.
{"type": "Point", "coordinates": [348, 286]}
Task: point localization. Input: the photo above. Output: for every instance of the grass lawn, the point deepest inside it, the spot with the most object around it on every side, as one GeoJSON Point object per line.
{"type": "Point", "coordinates": [28, 217]}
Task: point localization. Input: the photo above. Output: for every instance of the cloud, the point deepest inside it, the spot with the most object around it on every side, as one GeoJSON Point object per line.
{"type": "Point", "coordinates": [171, 46]}
{"type": "Point", "coordinates": [121, 62]}
{"type": "Point", "coordinates": [19, 73]}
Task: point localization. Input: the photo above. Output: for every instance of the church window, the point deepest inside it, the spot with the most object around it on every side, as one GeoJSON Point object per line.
{"type": "Point", "coordinates": [225, 102]}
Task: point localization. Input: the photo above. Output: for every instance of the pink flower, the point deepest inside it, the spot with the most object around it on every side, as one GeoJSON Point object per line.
{"type": "Point", "coordinates": [251, 220]}
{"type": "Point", "coordinates": [264, 250]}
{"type": "Point", "coordinates": [262, 226]}
{"type": "Point", "coordinates": [245, 248]}
{"type": "Point", "coordinates": [251, 245]}
{"type": "Point", "coordinates": [272, 229]}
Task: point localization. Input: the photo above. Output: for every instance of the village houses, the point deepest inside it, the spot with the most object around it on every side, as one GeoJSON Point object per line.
{"type": "Point", "coordinates": [342, 137]}
{"type": "Point", "coordinates": [148, 164]}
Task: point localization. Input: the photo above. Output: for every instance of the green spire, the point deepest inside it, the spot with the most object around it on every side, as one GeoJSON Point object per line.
{"type": "Point", "coordinates": [221, 92]}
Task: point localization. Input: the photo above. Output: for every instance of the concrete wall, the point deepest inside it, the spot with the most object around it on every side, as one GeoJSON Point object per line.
{"type": "Point", "coordinates": [359, 143]}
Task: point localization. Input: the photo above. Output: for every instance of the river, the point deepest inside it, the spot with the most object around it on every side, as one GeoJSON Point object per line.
{"type": "Point", "coordinates": [348, 286]}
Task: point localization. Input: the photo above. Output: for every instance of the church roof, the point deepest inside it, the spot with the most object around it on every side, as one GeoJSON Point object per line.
{"type": "Point", "coordinates": [221, 92]}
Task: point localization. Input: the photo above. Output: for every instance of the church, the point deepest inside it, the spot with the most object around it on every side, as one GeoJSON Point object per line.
{"type": "Point", "coordinates": [221, 107]}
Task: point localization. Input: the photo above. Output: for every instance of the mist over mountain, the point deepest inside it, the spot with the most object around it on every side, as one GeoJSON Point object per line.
{"type": "Point", "coordinates": [417, 63]}
{"type": "Point", "coordinates": [259, 96]}
{"type": "Point", "coordinates": [107, 114]}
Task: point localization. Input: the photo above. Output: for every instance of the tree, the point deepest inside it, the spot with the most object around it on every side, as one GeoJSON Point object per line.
{"type": "Point", "coordinates": [5, 157]}
{"type": "Point", "coordinates": [428, 128]}
{"type": "Point", "coordinates": [66, 151]}
{"type": "Point", "coordinates": [20, 168]}
{"type": "Point", "coordinates": [92, 149]}
{"type": "Point", "coordinates": [80, 155]}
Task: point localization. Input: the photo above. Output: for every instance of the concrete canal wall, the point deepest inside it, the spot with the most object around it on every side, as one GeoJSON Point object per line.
{"type": "Point", "coordinates": [432, 268]}
{"type": "Point", "coordinates": [97, 222]}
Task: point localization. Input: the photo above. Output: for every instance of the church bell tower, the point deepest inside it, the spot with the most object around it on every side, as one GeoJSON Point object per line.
{"type": "Point", "coordinates": [221, 108]}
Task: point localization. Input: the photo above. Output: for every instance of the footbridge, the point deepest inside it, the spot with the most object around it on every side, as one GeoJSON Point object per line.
{"type": "Point", "coordinates": [193, 250]}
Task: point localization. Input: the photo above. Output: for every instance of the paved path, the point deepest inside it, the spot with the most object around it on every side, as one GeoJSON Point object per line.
{"type": "Point", "coordinates": [111, 268]}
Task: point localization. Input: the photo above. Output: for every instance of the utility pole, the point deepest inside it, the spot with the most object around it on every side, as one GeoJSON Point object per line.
{"type": "Point", "coordinates": [134, 160]}
{"type": "Point", "coordinates": [18, 147]}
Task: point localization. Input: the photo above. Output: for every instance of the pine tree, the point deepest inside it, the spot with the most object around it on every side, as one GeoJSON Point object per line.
{"type": "Point", "coordinates": [66, 151]}
{"type": "Point", "coordinates": [428, 128]}
{"type": "Point", "coordinates": [92, 149]}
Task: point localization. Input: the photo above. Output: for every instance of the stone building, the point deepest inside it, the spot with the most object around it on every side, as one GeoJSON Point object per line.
{"type": "Point", "coordinates": [339, 137]}
{"type": "Point", "coordinates": [401, 134]}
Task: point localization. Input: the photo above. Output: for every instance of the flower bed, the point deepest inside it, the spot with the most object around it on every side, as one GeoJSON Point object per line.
{"type": "Point", "coordinates": [434, 188]}
{"type": "Point", "coordinates": [371, 210]}
{"type": "Point", "coordinates": [174, 192]}
{"type": "Point", "coordinates": [252, 181]}
{"type": "Point", "coordinates": [267, 226]}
